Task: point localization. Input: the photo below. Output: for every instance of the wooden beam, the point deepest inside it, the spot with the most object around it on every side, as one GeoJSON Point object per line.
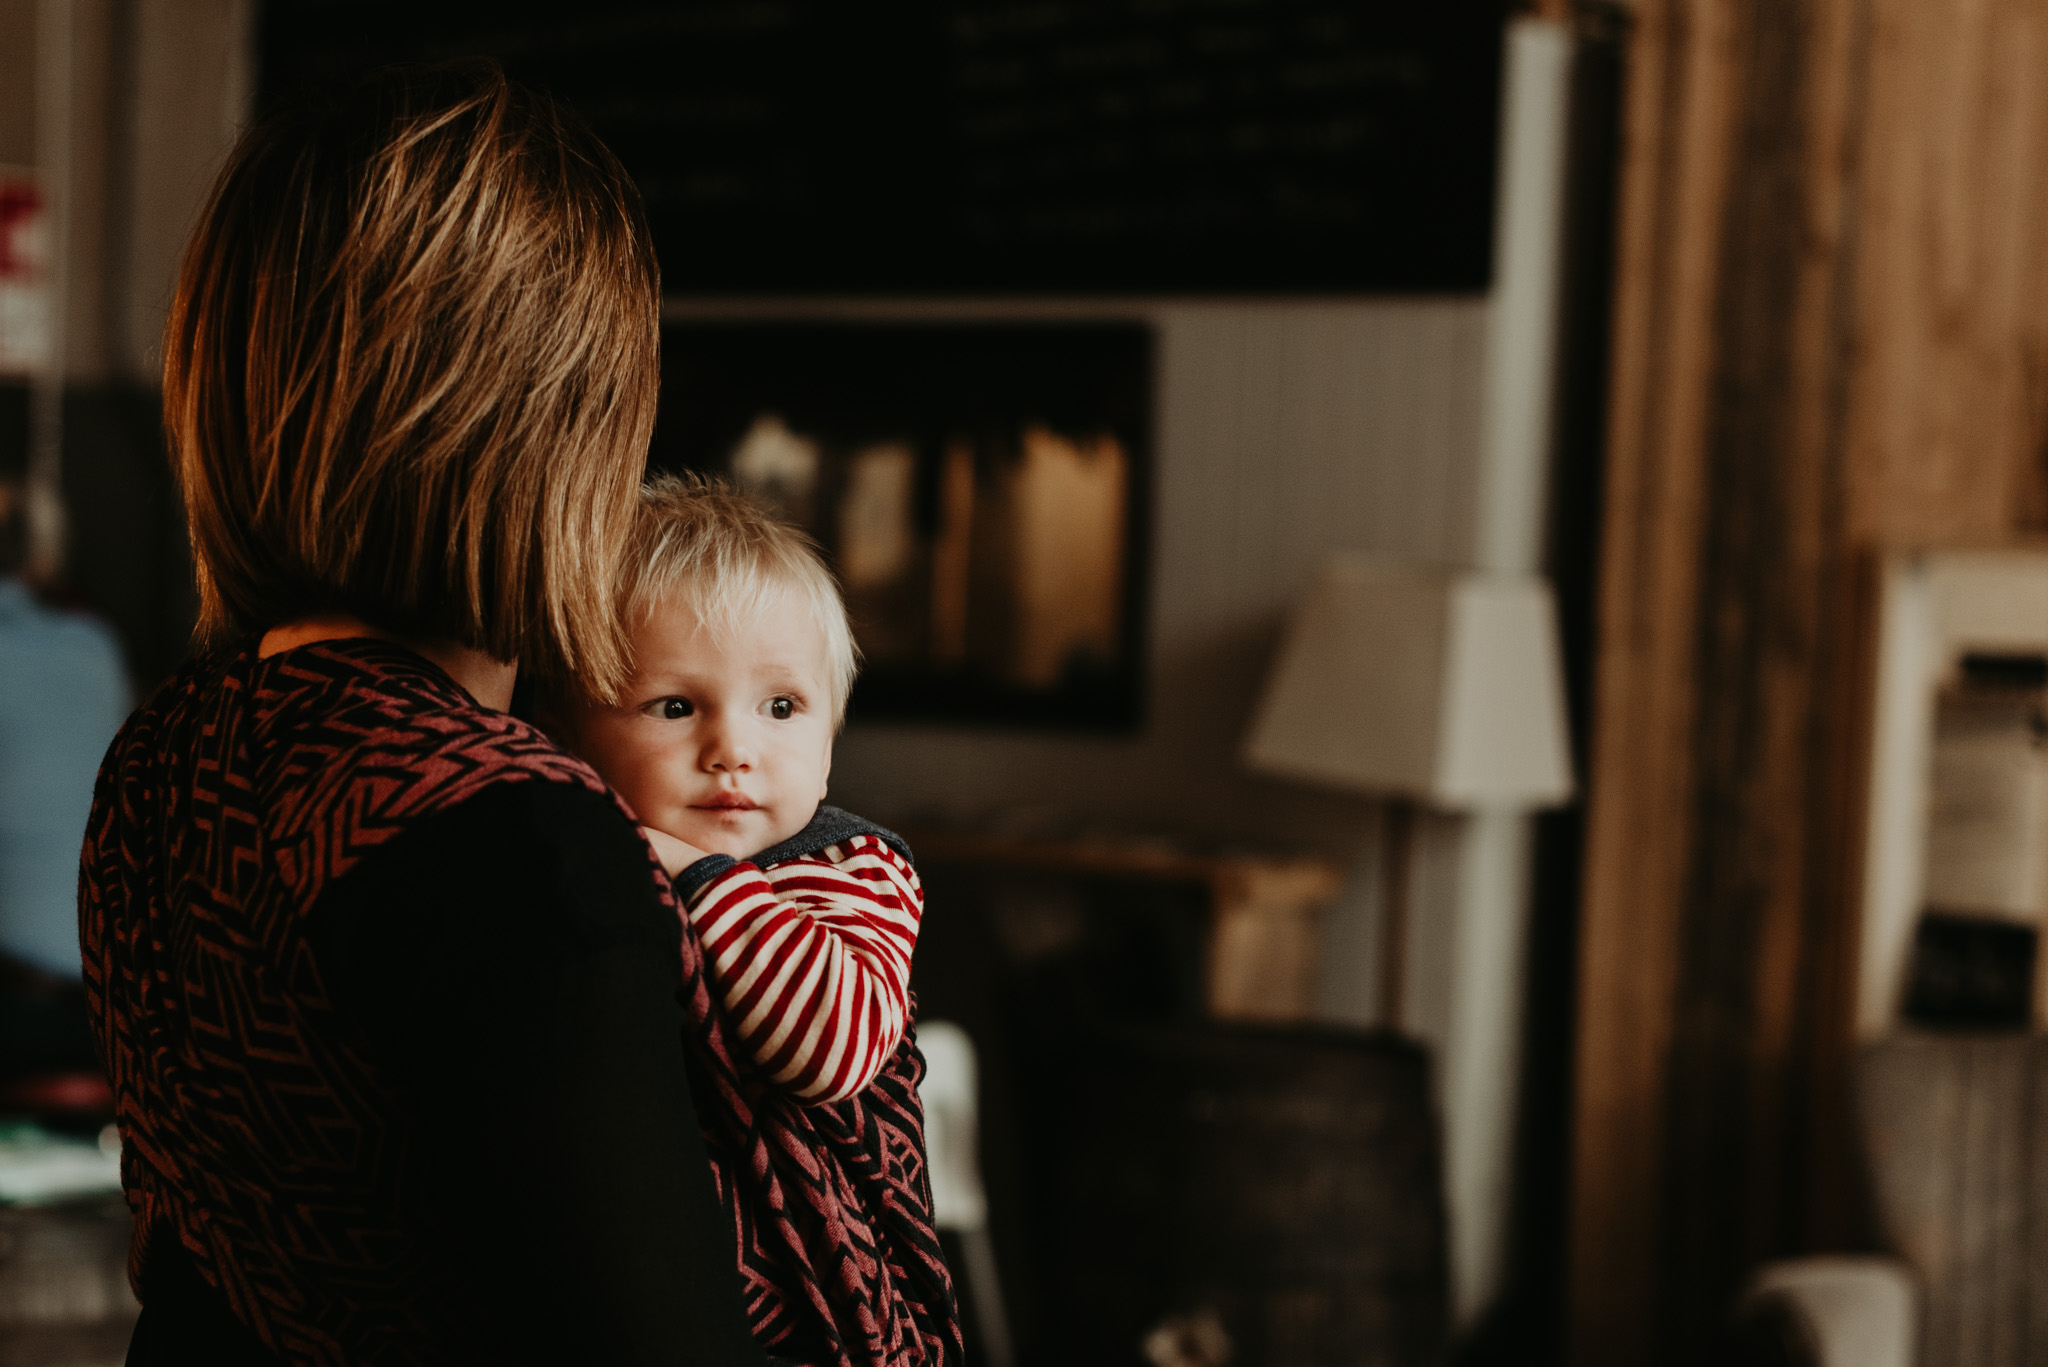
{"type": "Point", "coordinates": [1830, 340]}
{"type": "Point", "coordinates": [1674, 144]}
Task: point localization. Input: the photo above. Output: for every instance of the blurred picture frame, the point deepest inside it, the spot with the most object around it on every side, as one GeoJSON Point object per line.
{"type": "Point", "coordinates": [983, 492]}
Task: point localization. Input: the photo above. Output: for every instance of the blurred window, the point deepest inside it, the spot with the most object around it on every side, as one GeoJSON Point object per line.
{"type": "Point", "coordinates": [62, 696]}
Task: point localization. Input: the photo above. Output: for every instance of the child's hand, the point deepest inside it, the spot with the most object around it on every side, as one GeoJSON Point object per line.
{"type": "Point", "coordinates": [675, 855]}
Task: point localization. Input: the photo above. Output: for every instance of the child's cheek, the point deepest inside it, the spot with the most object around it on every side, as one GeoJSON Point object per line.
{"type": "Point", "coordinates": [659, 773]}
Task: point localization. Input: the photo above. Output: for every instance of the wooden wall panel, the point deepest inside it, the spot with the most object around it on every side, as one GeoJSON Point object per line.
{"type": "Point", "coordinates": [1946, 422]}
{"type": "Point", "coordinates": [1831, 294]}
{"type": "Point", "coordinates": [1636, 848]}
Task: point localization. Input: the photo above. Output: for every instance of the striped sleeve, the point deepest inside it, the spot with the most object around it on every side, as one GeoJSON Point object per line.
{"type": "Point", "coordinates": [812, 960]}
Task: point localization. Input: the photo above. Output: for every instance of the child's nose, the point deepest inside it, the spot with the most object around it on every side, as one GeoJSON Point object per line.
{"type": "Point", "coordinates": [726, 749]}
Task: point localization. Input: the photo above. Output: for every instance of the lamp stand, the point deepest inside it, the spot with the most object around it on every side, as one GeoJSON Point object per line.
{"type": "Point", "coordinates": [1397, 857]}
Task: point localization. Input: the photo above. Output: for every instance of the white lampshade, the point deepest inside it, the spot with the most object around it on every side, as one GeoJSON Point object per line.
{"type": "Point", "coordinates": [1437, 685]}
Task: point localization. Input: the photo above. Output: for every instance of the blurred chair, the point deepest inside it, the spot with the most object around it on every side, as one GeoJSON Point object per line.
{"type": "Point", "coordinates": [951, 1128]}
{"type": "Point", "coordinates": [1829, 1312]}
{"type": "Point", "coordinates": [1955, 1128]}
{"type": "Point", "coordinates": [1220, 1193]}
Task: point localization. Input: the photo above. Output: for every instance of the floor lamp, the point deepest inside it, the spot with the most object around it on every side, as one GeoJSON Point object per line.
{"type": "Point", "coordinates": [1424, 688]}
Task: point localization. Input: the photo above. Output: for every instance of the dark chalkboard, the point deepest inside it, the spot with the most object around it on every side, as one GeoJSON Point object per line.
{"type": "Point", "coordinates": [996, 146]}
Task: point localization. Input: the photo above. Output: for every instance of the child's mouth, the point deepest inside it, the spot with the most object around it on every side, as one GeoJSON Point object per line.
{"type": "Point", "coordinates": [728, 802]}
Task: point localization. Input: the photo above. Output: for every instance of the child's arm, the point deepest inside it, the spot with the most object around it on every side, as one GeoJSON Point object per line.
{"type": "Point", "coordinates": [812, 960]}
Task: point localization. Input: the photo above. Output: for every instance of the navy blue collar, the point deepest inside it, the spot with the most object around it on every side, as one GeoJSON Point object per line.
{"type": "Point", "coordinates": [829, 826]}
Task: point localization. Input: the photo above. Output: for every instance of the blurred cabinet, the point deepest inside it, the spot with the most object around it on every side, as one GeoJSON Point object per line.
{"type": "Point", "coordinates": [1955, 879]}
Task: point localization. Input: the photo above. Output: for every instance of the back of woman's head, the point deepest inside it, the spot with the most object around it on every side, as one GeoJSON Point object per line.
{"type": "Point", "coordinates": [410, 371]}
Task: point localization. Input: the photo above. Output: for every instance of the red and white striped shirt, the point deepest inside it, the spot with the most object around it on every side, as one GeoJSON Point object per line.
{"type": "Point", "coordinates": [811, 957]}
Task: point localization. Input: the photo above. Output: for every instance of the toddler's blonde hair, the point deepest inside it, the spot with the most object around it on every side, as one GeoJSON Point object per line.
{"type": "Point", "coordinates": [701, 544]}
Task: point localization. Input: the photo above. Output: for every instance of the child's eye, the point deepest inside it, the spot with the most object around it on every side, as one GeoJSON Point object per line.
{"type": "Point", "coordinates": [674, 709]}
{"type": "Point", "coordinates": [782, 709]}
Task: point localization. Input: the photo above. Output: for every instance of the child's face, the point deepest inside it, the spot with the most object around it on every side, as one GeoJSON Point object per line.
{"type": "Point", "coordinates": [724, 744]}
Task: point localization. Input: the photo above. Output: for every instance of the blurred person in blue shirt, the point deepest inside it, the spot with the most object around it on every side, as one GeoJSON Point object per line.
{"type": "Point", "coordinates": [63, 694]}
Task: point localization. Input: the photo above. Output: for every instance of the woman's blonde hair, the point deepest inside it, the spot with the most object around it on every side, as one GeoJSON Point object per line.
{"type": "Point", "coordinates": [699, 544]}
{"type": "Point", "coordinates": [410, 371]}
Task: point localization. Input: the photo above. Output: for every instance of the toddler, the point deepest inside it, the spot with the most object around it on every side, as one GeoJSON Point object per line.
{"type": "Point", "coordinates": [721, 742]}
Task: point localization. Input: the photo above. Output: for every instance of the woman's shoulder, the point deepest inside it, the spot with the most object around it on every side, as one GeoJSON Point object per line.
{"type": "Point", "coordinates": [332, 750]}
{"type": "Point", "coordinates": [388, 706]}
{"type": "Point", "coordinates": [367, 736]}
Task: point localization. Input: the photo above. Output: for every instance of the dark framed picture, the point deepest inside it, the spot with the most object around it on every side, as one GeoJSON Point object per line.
{"type": "Point", "coordinates": [982, 492]}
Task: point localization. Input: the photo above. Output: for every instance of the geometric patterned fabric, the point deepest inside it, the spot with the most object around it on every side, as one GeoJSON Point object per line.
{"type": "Point", "coordinates": [256, 1132]}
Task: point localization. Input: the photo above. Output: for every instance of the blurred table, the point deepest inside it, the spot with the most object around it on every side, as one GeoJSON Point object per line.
{"type": "Point", "coordinates": [1264, 932]}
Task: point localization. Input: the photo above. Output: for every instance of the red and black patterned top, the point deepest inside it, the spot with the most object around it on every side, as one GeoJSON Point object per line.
{"type": "Point", "coordinates": [385, 985]}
